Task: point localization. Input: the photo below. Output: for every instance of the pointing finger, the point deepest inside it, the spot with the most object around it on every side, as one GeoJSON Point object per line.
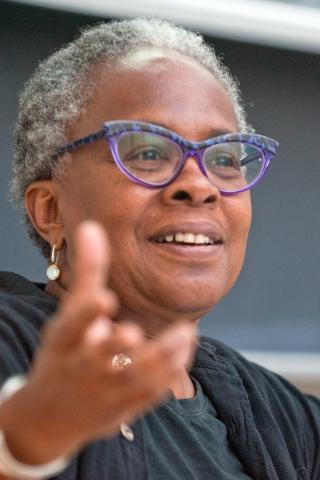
{"type": "Point", "coordinates": [92, 257]}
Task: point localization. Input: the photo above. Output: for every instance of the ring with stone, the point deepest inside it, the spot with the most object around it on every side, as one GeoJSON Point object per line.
{"type": "Point", "coordinates": [121, 360]}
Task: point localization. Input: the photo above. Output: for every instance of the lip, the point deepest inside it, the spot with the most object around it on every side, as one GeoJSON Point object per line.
{"type": "Point", "coordinates": [190, 252]}
{"type": "Point", "coordinates": [210, 230]}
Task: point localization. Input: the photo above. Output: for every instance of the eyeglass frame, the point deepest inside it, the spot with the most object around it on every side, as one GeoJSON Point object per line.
{"type": "Point", "coordinates": [112, 131]}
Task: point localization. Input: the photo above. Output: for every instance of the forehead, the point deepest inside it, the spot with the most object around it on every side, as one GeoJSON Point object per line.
{"type": "Point", "coordinates": [158, 87]}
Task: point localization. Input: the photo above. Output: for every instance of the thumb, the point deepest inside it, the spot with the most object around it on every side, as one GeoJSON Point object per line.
{"type": "Point", "coordinates": [92, 258]}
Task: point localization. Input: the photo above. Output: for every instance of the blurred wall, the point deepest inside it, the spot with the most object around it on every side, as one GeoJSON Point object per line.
{"type": "Point", "coordinates": [275, 304]}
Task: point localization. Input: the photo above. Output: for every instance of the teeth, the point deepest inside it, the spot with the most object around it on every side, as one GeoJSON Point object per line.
{"type": "Point", "coordinates": [179, 237]}
{"type": "Point", "coordinates": [189, 238]}
{"type": "Point", "coordinates": [201, 239]}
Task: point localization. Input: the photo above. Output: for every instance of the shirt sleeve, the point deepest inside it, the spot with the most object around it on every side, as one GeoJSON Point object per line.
{"type": "Point", "coordinates": [297, 417]}
{"type": "Point", "coordinates": [20, 327]}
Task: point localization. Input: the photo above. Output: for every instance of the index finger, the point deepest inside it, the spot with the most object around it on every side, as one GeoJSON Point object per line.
{"type": "Point", "coordinates": [92, 257]}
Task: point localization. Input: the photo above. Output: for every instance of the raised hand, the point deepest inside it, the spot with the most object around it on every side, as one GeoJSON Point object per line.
{"type": "Point", "coordinates": [73, 394]}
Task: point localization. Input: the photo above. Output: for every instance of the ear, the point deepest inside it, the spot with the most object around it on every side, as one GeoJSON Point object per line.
{"type": "Point", "coordinates": [41, 204]}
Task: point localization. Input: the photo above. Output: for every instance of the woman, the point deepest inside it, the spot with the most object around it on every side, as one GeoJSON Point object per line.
{"type": "Point", "coordinates": [132, 131]}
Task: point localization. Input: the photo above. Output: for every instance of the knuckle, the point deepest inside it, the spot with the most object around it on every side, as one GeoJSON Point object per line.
{"type": "Point", "coordinates": [121, 337]}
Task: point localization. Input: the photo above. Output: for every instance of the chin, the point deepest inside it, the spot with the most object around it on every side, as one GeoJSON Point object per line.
{"type": "Point", "coordinates": [191, 302]}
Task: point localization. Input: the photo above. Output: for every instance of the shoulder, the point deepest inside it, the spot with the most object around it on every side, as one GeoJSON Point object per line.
{"type": "Point", "coordinates": [277, 406]}
{"type": "Point", "coordinates": [255, 378]}
{"type": "Point", "coordinates": [24, 309]}
{"type": "Point", "coordinates": [23, 302]}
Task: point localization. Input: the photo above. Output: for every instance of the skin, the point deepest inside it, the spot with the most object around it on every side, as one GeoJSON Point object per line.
{"type": "Point", "coordinates": [144, 278]}
{"type": "Point", "coordinates": [161, 290]}
{"type": "Point", "coordinates": [155, 286]}
{"type": "Point", "coordinates": [73, 395]}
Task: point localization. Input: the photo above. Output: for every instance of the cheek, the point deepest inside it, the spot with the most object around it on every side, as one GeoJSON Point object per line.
{"type": "Point", "coordinates": [115, 202]}
{"type": "Point", "coordinates": [239, 223]}
{"type": "Point", "coordinates": [88, 190]}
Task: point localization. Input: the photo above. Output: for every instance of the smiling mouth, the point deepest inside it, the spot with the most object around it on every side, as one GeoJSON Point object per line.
{"type": "Point", "coordinates": [188, 239]}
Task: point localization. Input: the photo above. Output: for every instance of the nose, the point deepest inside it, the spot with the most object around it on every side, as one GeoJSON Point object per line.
{"type": "Point", "coordinates": [191, 186]}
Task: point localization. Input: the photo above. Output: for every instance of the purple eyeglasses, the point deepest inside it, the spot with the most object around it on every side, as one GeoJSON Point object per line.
{"type": "Point", "coordinates": [153, 156]}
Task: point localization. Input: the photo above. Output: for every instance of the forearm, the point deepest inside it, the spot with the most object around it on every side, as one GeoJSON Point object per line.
{"type": "Point", "coordinates": [25, 432]}
{"type": "Point", "coordinates": [27, 451]}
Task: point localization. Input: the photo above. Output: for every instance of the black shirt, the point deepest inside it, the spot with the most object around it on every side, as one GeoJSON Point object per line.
{"type": "Point", "coordinates": [271, 427]}
{"type": "Point", "coordinates": [185, 439]}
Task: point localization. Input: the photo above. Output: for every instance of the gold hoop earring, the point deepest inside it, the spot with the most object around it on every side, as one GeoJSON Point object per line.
{"type": "Point", "coordinates": [53, 271]}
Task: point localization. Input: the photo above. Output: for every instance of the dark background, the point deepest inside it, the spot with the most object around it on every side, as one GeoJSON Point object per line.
{"type": "Point", "coordinates": [275, 304]}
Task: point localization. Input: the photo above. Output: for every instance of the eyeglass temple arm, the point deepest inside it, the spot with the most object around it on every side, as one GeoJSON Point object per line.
{"type": "Point", "coordinates": [82, 141]}
{"type": "Point", "coordinates": [252, 158]}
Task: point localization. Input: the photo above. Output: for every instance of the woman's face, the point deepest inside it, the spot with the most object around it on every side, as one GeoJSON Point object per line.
{"type": "Point", "coordinates": [168, 279]}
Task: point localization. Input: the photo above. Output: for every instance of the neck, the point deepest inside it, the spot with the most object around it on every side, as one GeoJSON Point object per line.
{"type": "Point", "coordinates": [183, 387]}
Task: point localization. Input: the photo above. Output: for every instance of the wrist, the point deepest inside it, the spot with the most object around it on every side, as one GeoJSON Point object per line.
{"type": "Point", "coordinates": [22, 454]}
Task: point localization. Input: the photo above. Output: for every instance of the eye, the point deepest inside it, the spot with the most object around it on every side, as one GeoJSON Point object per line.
{"type": "Point", "coordinates": [226, 160]}
{"type": "Point", "coordinates": [222, 160]}
{"type": "Point", "coordinates": [147, 153]}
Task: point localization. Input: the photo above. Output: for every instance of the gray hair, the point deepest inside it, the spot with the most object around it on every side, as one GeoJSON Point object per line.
{"type": "Point", "coordinates": [59, 90]}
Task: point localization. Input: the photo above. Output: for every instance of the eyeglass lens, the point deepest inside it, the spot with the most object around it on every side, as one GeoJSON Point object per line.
{"type": "Point", "coordinates": [154, 159]}
{"type": "Point", "coordinates": [233, 165]}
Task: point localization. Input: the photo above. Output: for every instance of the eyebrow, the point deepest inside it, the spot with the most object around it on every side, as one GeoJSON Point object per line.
{"type": "Point", "coordinates": [215, 132]}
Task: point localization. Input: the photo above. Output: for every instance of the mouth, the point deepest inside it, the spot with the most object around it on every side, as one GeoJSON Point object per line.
{"type": "Point", "coordinates": [180, 238]}
{"type": "Point", "coordinates": [192, 241]}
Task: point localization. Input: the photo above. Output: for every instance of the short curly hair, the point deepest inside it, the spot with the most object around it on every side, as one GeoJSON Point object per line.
{"type": "Point", "coordinates": [59, 90]}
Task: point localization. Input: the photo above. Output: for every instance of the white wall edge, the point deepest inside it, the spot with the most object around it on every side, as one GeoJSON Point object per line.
{"type": "Point", "coordinates": [264, 22]}
{"type": "Point", "coordinates": [297, 366]}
